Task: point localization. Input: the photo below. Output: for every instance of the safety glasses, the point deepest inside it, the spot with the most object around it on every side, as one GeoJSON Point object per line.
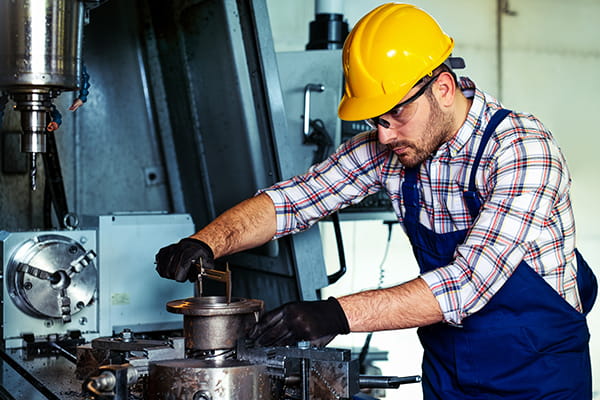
{"type": "Point", "coordinates": [402, 112]}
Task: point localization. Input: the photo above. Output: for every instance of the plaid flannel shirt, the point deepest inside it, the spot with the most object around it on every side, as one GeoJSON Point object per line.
{"type": "Point", "coordinates": [523, 182]}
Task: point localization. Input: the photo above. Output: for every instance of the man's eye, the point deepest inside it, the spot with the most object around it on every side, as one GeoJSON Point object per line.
{"type": "Point", "coordinates": [396, 111]}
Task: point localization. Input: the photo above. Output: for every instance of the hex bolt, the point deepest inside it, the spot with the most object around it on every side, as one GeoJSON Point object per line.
{"type": "Point", "coordinates": [126, 335]}
{"type": "Point", "coordinates": [304, 344]}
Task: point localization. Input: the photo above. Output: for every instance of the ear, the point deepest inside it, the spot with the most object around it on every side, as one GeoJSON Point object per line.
{"type": "Point", "coordinates": [445, 89]}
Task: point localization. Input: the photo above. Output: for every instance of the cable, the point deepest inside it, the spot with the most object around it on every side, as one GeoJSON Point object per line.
{"type": "Point", "coordinates": [333, 278]}
{"type": "Point", "coordinates": [390, 224]}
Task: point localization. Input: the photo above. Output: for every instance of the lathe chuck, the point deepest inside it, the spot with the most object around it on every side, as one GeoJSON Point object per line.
{"type": "Point", "coordinates": [51, 276]}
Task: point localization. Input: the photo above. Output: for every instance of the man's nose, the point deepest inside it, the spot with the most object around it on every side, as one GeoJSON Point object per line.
{"type": "Point", "coordinates": [385, 135]}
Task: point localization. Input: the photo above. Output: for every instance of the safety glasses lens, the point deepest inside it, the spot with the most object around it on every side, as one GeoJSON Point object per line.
{"type": "Point", "coordinates": [395, 118]}
{"type": "Point", "coordinates": [402, 113]}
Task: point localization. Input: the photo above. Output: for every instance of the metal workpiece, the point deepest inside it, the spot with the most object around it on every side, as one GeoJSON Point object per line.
{"type": "Point", "coordinates": [212, 325]}
{"type": "Point", "coordinates": [193, 379]}
{"type": "Point", "coordinates": [212, 306]}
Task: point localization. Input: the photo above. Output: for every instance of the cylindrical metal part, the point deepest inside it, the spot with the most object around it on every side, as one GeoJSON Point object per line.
{"type": "Point", "coordinates": [329, 29]}
{"type": "Point", "coordinates": [192, 379]}
{"type": "Point", "coordinates": [33, 105]}
{"type": "Point", "coordinates": [210, 323]}
{"type": "Point", "coordinates": [40, 44]}
{"type": "Point", "coordinates": [32, 142]}
{"type": "Point", "coordinates": [329, 7]}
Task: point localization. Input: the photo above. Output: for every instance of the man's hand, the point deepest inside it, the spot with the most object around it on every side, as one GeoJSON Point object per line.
{"type": "Point", "coordinates": [176, 261]}
{"type": "Point", "coordinates": [316, 321]}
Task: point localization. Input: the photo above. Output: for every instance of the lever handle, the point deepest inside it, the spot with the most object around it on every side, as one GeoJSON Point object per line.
{"type": "Point", "coordinates": [311, 87]}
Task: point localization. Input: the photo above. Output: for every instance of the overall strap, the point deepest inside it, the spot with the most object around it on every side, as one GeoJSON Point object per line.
{"type": "Point", "coordinates": [470, 196]}
{"type": "Point", "coordinates": [410, 195]}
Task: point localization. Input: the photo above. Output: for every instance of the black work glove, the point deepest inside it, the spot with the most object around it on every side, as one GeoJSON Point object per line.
{"type": "Point", "coordinates": [177, 260]}
{"type": "Point", "coordinates": [316, 321]}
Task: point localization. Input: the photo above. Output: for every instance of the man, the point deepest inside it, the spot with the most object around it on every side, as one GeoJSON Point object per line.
{"type": "Point", "coordinates": [483, 194]}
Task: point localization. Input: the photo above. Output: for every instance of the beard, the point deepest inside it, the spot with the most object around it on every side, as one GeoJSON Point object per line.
{"type": "Point", "coordinates": [437, 131]}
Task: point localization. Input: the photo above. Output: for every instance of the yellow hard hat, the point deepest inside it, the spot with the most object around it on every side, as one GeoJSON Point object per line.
{"type": "Point", "coordinates": [388, 51]}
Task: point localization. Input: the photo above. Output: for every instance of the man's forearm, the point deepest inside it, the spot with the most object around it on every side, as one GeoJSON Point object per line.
{"type": "Point", "coordinates": [249, 224]}
{"type": "Point", "coordinates": [409, 305]}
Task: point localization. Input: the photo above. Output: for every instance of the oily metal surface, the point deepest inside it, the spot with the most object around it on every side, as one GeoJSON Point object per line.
{"type": "Point", "coordinates": [191, 379]}
{"type": "Point", "coordinates": [214, 305]}
{"type": "Point", "coordinates": [57, 374]}
{"type": "Point", "coordinates": [41, 43]}
{"type": "Point", "coordinates": [210, 323]}
{"type": "Point", "coordinates": [218, 332]}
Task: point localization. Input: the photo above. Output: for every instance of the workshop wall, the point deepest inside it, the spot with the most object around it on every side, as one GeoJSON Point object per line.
{"type": "Point", "coordinates": [539, 56]}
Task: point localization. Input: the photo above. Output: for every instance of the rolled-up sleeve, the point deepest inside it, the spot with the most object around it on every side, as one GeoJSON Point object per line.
{"type": "Point", "coordinates": [344, 178]}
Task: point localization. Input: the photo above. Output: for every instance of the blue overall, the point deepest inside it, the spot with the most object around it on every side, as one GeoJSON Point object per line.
{"type": "Point", "coordinates": [526, 343]}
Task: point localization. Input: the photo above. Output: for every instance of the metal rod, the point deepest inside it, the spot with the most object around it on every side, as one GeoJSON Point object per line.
{"type": "Point", "coordinates": [64, 352]}
{"type": "Point", "coordinates": [386, 382]}
{"type": "Point", "coordinates": [28, 377]}
{"type": "Point", "coordinates": [305, 379]}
